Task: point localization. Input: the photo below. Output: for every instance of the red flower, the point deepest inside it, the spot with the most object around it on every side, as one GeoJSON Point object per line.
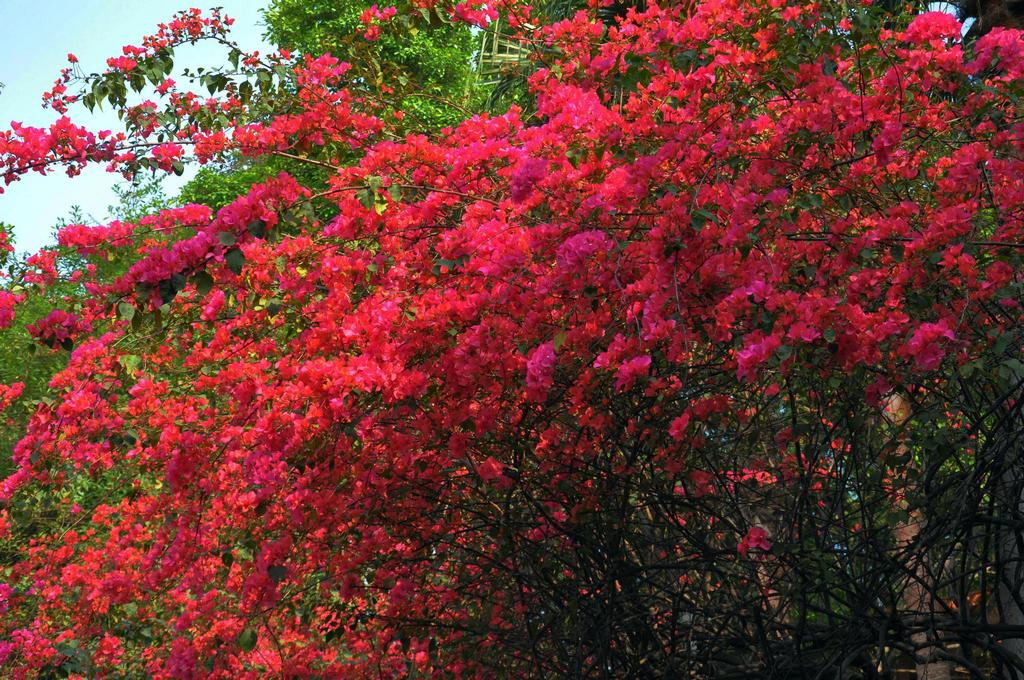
{"type": "Point", "coordinates": [490, 470]}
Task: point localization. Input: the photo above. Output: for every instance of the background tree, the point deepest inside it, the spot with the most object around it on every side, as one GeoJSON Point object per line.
{"type": "Point", "coordinates": [989, 14]}
{"type": "Point", "coordinates": [423, 68]}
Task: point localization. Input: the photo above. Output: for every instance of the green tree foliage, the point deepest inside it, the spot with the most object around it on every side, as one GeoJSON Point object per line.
{"type": "Point", "coordinates": [424, 72]}
{"type": "Point", "coordinates": [217, 185]}
{"type": "Point", "coordinates": [429, 70]}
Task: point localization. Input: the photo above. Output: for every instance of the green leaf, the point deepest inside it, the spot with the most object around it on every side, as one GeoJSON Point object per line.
{"type": "Point", "coordinates": [131, 363]}
{"type": "Point", "coordinates": [276, 572]}
{"type": "Point", "coordinates": [227, 238]}
{"type": "Point", "coordinates": [126, 310]}
{"type": "Point", "coordinates": [203, 282]}
{"type": "Point", "coordinates": [1015, 368]}
{"type": "Point", "coordinates": [367, 198]}
{"type": "Point", "coordinates": [178, 282]}
{"type": "Point", "coordinates": [235, 260]}
{"type": "Point", "coordinates": [699, 218]}
{"type": "Point", "coordinates": [167, 290]}
{"type": "Point", "coordinates": [558, 340]}
{"type": "Point", "coordinates": [257, 228]}
{"type": "Point", "coordinates": [247, 640]}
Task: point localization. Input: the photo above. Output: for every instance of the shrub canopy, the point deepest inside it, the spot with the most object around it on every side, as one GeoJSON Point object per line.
{"type": "Point", "coordinates": [711, 368]}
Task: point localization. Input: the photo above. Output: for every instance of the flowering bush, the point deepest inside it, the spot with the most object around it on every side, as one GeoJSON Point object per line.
{"type": "Point", "coordinates": [591, 395]}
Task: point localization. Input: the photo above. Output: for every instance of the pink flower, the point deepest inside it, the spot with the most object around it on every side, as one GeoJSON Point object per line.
{"type": "Point", "coordinates": [888, 139]}
{"type": "Point", "coordinates": [213, 305]}
{"type": "Point", "coordinates": [8, 301]}
{"type": "Point", "coordinates": [756, 538]}
{"type": "Point", "coordinates": [930, 26]}
{"type": "Point", "coordinates": [5, 596]}
{"type": "Point", "coordinates": [540, 371]}
{"type": "Point", "coordinates": [701, 483]}
{"type": "Point", "coordinates": [629, 371]}
{"type": "Point", "coordinates": [372, 17]}
{"type": "Point", "coordinates": [122, 63]}
{"type": "Point", "coordinates": [403, 590]}
{"type": "Point", "coordinates": [926, 345]}
{"type": "Point", "coordinates": [490, 470]}
{"type": "Point", "coordinates": [58, 328]}
{"type": "Point", "coordinates": [166, 154]}
{"type": "Point", "coordinates": [757, 351]}
{"type": "Point", "coordinates": [110, 649]}
{"type": "Point", "coordinates": [528, 172]}
{"type": "Point", "coordinates": [678, 426]}
{"type": "Point", "coordinates": [577, 249]}
{"type": "Point", "coordinates": [1000, 48]}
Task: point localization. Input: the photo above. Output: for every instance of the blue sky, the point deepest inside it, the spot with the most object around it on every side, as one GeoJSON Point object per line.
{"type": "Point", "coordinates": [38, 35]}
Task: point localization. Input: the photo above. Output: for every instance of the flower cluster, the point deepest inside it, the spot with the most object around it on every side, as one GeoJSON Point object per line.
{"type": "Point", "coordinates": [371, 19]}
{"type": "Point", "coordinates": [58, 328]}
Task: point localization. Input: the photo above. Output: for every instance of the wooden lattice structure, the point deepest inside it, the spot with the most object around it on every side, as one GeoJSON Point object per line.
{"type": "Point", "coordinates": [500, 54]}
